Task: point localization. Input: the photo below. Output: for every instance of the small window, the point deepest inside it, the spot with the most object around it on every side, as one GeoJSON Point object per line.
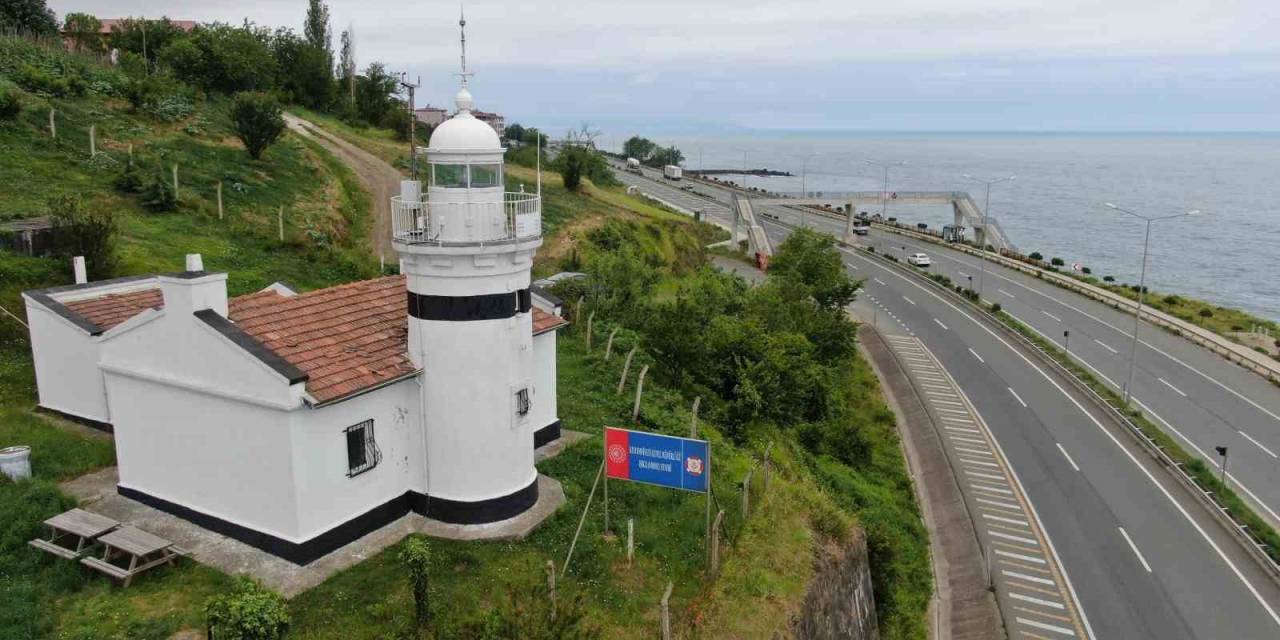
{"type": "Point", "coordinates": [449, 175]}
{"type": "Point", "coordinates": [522, 402]}
{"type": "Point", "coordinates": [486, 175]}
{"type": "Point", "coordinates": [362, 451]}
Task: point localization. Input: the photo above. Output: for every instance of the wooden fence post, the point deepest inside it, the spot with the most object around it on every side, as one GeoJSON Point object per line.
{"type": "Point", "coordinates": [626, 366]}
{"type": "Point", "coordinates": [768, 466]}
{"type": "Point", "coordinates": [666, 612]}
{"type": "Point", "coordinates": [279, 221]}
{"type": "Point", "coordinates": [635, 411]}
{"type": "Point", "coordinates": [53, 124]}
{"type": "Point", "coordinates": [608, 349]}
{"type": "Point", "coordinates": [693, 425]}
{"type": "Point", "coordinates": [219, 199]}
{"type": "Point", "coordinates": [715, 542]}
{"type": "Point", "coordinates": [93, 143]}
{"type": "Point", "coordinates": [577, 311]}
{"type": "Point", "coordinates": [631, 540]}
{"type": "Point", "coordinates": [591, 319]}
{"type": "Point", "coordinates": [746, 493]}
{"type": "Point", "coordinates": [175, 180]}
{"type": "Point", "coordinates": [551, 586]}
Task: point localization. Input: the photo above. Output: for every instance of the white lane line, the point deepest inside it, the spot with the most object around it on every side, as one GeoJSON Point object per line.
{"type": "Point", "coordinates": [1259, 444]}
{"type": "Point", "coordinates": [988, 476]}
{"type": "Point", "coordinates": [944, 327]}
{"type": "Point", "coordinates": [976, 452]}
{"type": "Point", "coordinates": [1105, 346]}
{"type": "Point", "coordinates": [1135, 549]}
{"type": "Point", "coordinates": [978, 462]}
{"type": "Point", "coordinates": [1253, 591]}
{"type": "Point", "coordinates": [879, 281]}
{"type": "Point", "coordinates": [1073, 355]}
{"type": "Point", "coordinates": [970, 441]}
{"type": "Point", "coordinates": [1002, 505]}
{"type": "Point", "coordinates": [1039, 601]}
{"type": "Point", "coordinates": [850, 266]}
{"type": "Point", "coordinates": [996, 489]}
{"type": "Point", "coordinates": [1045, 627]}
{"type": "Point", "coordinates": [975, 354]}
{"type": "Point", "coordinates": [1009, 536]}
{"type": "Point", "coordinates": [1176, 390]}
{"type": "Point", "coordinates": [1017, 521]}
{"type": "Point", "coordinates": [1017, 397]}
{"type": "Point", "coordinates": [1019, 556]}
{"type": "Point", "coordinates": [1068, 457]}
{"type": "Point", "coordinates": [1023, 576]}
{"type": "Point", "coordinates": [909, 300]}
{"type": "Point", "coordinates": [1051, 315]}
{"type": "Point", "coordinates": [963, 274]}
{"type": "Point", "coordinates": [1005, 293]}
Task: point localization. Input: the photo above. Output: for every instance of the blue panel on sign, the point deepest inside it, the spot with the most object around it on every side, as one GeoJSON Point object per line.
{"type": "Point", "coordinates": [668, 461]}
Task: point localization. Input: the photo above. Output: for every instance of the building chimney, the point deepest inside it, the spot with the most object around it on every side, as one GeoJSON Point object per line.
{"type": "Point", "coordinates": [77, 265]}
{"type": "Point", "coordinates": [194, 289]}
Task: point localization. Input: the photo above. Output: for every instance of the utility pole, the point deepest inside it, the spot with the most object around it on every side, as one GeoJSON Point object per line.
{"type": "Point", "coordinates": [982, 245]}
{"type": "Point", "coordinates": [413, 121]}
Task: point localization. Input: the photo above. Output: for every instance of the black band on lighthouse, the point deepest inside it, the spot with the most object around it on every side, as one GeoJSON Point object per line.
{"type": "Point", "coordinates": [492, 306]}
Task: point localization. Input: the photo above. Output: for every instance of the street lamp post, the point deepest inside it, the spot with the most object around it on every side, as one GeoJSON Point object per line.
{"type": "Point", "coordinates": [1142, 283]}
{"type": "Point", "coordinates": [986, 205]}
{"type": "Point", "coordinates": [884, 192]}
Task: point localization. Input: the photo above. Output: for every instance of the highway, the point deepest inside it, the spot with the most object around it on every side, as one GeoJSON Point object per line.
{"type": "Point", "coordinates": [1143, 558]}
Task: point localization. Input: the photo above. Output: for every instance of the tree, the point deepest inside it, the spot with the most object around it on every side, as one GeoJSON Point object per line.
{"type": "Point", "coordinates": [513, 132]}
{"type": "Point", "coordinates": [663, 156]}
{"type": "Point", "coordinates": [415, 556]}
{"type": "Point", "coordinates": [638, 148]}
{"type": "Point", "coordinates": [157, 192]}
{"type": "Point", "coordinates": [316, 28]}
{"type": "Point", "coordinates": [809, 260]}
{"type": "Point", "coordinates": [306, 71]}
{"type": "Point", "coordinates": [223, 58]}
{"type": "Point", "coordinates": [248, 612]}
{"type": "Point", "coordinates": [84, 231]}
{"type": "Point", "coordinates": [348, 65]}
{"type": "Point", "coordinates": [84, 30]}
{"type": "Point", "coordinates": [257, 121]}
{"type": "Point", "coordinates": [10, 103]}
{"type": "Point", "coordinates": [28, 16]}
{"type": "Point", "coordinates": [572, 164]}
{"type": "Point", "coordinates": [144, 37]}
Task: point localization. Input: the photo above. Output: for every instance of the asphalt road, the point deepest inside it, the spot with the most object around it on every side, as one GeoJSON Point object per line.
{"type": "Point", "coordinates": [1145, 560]}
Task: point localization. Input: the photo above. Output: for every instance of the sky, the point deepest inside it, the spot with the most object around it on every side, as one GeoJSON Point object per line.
{"type": "Point", "coordinates": [699, 66]}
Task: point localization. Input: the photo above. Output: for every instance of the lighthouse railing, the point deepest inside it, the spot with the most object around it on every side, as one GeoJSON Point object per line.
{"type": "Point", "coordinates": [417, 221]}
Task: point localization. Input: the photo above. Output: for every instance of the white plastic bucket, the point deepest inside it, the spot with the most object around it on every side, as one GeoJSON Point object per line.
{"type": "Point", "coordinates": [15, 462]}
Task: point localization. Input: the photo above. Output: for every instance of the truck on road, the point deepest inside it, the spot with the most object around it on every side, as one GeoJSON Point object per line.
{"type": "Point", "coordinates": [672, 172]}
{"type": "Point", "coordinates": [633, 165]}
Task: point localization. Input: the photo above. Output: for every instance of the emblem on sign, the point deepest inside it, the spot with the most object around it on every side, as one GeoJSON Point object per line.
{"type": "Point", "coordinates": [693, 465]}
{"type": "Point", "coordinates": [617, 454]}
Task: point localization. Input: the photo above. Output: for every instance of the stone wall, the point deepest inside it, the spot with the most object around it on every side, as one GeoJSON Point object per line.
{"type": "Point", "coordinates": [839, 602]}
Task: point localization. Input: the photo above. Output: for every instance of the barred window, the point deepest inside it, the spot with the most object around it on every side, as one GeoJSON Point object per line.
{"type": "Point", "coordinates": [522, 402]}
{"type": "Point", "coordinates": [362, 450]}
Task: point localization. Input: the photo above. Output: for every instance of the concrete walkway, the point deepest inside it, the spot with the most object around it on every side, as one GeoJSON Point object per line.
{"type": "Point", "coordinates": [97, 493]}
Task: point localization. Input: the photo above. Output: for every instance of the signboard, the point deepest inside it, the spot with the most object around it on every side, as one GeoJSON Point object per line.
{"type": "Point", "coordinates": [666, 461]}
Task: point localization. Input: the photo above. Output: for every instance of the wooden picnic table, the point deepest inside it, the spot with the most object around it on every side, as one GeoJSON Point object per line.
{"type": "Point", "coordinates": [82, 526]}
{"type": "Point", "coordinates": [141, 549]}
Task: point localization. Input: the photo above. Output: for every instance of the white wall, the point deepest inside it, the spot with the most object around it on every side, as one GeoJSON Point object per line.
{"type": "Point", "coordinates": [66, 364]}
{"type": "Point", "coordinates": [326, 497]}
{"type": "Point", "coordinates": [221, 457]}
{"type": "Point", "coordinates": [544, 380]}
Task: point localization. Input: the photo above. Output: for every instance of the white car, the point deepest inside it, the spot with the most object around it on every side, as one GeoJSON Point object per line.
{"type": "Point", "coordinates": [919, 260]}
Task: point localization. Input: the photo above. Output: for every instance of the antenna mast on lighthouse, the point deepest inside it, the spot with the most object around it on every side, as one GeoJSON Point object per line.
{"type": "Point", "coordinates": [462, 29]}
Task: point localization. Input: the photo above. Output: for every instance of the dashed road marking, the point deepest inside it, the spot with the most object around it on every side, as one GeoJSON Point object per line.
{"type": "Point", "coordinates": [1068, 457]}
{"type": "Point", "coordinates": [1040, 601]}
{"type": "Point", "coordinates": [975, 354]}
{"type": "Point", "coordinates": [909, 300]}
{"type": "Point", "coordinates": [1258, 444]}
{"type": "Point", "coordinates": [1105, 346]}
{"type": "Point", "coordinates": [1175, 389]}
{"type": "Point", "coordinates": [1051, 315]}
{"type": "Point", "coordinates": [1006, 293]}
{"type": "Point", "coordinates": [1135, 549]}
{"type": "Point", "coordinates": [1017, 397]}
{"type": "Point", "coordinates": [944, 327]}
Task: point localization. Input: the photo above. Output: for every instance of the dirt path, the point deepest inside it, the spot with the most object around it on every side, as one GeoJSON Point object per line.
{"type": "Point", "coordinates": [379, 178]}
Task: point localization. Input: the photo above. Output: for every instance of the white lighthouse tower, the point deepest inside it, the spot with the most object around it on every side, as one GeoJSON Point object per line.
{"type": "Point", "coordinates": [466, 248]}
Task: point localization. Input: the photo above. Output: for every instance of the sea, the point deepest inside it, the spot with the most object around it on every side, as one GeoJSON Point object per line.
{"type": "Point", "coordinates": [1226, 254]}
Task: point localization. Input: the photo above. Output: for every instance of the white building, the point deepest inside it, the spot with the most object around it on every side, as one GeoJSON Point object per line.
{"type": "Point", "coordinates": [431, 116]}
{"type": "Point", "coordinates": [297, 422]}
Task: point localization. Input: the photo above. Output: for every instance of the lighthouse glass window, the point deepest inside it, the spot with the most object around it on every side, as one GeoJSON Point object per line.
{"type": "Point", "coordinates": [486, 175]}
{"type": "Point", "coordinates": [449, 175]}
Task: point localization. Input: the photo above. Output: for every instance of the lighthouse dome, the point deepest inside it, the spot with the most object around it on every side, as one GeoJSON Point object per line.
{"type": "Point", "coordinates": [464, 132]}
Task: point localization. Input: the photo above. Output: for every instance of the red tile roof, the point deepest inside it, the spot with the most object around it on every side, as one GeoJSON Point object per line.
{"type": "Point", "coordinates": [346, 338]}
{"type": "Point", "coordinates": [112, 309]}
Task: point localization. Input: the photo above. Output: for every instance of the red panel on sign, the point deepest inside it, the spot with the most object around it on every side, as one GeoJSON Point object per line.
{"type": "Point", "coordinates": [617, 456]}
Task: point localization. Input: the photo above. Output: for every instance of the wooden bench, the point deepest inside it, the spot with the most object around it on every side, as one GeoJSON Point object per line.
{"type": "Point", "coordinates": [142, 551]}
{"type": "Point", "coordinates": [79, 528]}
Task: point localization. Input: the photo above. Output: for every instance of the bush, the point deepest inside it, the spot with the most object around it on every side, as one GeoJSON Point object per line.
{"type": "Point", "coordinates": [1057, 262]}
{"type": "Point", "coordinates": [1035, 255]}
{"type": "Point", "coordinates": [415, 555]}
{"type": "Point", "coordinates": [1206, 312]}
{"type": "Point", "coordinates": [158, 194]}
{"type": "Point", "coordinates": [1108, 278]}
{"type": "Point", "coordinates": [1172, 300]}
{"type": "Point", "coordinates": [248, 612]}
{"type": "Point", "coordinates": [1086, 270]}
{"type": "Point", "coordinates": [129, 180]}
{"type": "Point", "coordinates": [995, 307]}
{"type": "Point", "coordinates": [257, 121]}
{"type": "Point", "coordinates": [85, 231]}
{"type": "Point", "coordinates": [10, 104]}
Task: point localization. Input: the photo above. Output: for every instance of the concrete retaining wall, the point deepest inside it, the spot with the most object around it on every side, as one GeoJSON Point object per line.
{"type": "Point", "coordinates": [840, 602]}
